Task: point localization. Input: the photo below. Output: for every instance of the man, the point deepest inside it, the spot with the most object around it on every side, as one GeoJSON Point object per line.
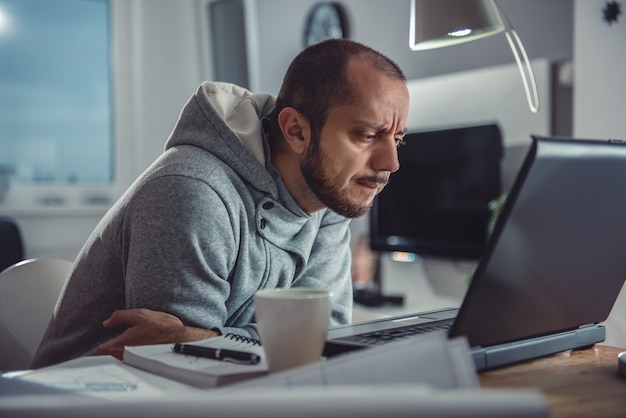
{"type": "Point", "coordinates": [227, 210]}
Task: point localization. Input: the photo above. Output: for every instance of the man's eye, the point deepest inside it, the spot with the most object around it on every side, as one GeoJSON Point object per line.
{"type": "Point", "coordinates": [399, 142]}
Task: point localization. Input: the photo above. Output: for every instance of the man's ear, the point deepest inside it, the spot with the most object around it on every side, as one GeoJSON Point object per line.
{"type": "Point", "coordinates": [295, 128]}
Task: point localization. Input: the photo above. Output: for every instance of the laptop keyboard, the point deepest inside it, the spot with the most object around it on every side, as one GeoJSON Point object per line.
{"type": "Point", "coordinates": [385, 336]}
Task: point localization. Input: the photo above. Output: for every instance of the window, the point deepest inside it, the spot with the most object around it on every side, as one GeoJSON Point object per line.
{"type": "Point", "coordinates": [56, 105]}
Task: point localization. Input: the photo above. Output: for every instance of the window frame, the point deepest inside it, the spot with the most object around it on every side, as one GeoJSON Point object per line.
{"type": "Point", "coordinates": [53, 198]}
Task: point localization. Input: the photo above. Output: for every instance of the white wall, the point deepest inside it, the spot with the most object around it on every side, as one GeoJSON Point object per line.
{"type": "Point", "coordinates": [163, 68]}
{"type": "Point", "coordinates": [599, 75]}
{"type": "Point", "coordinates": [600, 100]}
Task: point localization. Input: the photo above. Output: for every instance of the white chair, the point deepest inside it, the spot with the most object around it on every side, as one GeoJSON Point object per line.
{"type": "Point", "coordinates": [28, 294]}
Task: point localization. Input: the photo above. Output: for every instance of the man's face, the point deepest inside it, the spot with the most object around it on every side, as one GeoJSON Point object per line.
{"type": "Point", "coordinates": [351, 161]}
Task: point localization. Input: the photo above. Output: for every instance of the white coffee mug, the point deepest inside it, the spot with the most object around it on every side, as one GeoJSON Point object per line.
{"type": "Point", "coordinates": [292, 324]}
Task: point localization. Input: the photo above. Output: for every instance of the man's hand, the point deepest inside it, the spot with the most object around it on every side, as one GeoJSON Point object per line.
{"type": "Point", "coordinates": [148, 327]}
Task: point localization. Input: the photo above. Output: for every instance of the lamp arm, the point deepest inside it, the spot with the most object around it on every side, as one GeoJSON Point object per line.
{"type": "Point", "coordinates": [521, 58]}
{"type": "Point", "coordinates": [526, 71]}
{"type": "Point", "coordinates": [412, 21]}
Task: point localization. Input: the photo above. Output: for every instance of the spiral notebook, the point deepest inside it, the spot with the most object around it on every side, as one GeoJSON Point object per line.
{"type": "Point", "coordinates": [198, 371]}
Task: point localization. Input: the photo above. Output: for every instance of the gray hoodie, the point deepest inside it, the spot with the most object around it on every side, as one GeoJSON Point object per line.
{"type": "Point", "coordinates": [205, 226]}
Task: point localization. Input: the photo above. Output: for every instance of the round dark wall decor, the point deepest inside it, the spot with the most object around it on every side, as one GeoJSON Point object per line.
{"type": "Point", "coordinates": [326, 20]}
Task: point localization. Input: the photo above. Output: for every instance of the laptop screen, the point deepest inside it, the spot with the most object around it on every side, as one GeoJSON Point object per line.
{"type": "Point", "coordinates": [557, 256]}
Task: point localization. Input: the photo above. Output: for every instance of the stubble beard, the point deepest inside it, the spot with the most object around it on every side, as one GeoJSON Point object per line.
{"type": "Point", "coordinates": [322, 185]}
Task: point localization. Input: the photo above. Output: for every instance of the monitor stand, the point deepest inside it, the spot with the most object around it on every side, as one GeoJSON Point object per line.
{"type": "Point", "coordinates": [371, 294]}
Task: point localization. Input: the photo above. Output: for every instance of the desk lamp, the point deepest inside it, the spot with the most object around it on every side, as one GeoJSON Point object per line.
{"type": "Point", "coordinates": [438, 23]}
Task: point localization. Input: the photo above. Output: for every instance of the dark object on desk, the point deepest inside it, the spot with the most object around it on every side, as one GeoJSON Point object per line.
{"type": "Point", "coordinates": [374, 297]}
{"type": "Point", "coordinates": [621, 363]}
{"type": "Point", "coordinates": [11, 247]}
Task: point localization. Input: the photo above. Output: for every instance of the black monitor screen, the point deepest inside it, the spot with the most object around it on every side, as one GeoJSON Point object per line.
{"type": "Point", "coordinates": [438, 202]}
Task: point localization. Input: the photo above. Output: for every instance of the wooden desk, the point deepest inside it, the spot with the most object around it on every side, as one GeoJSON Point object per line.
{"type": "Point", "coordinates": [582, 383]}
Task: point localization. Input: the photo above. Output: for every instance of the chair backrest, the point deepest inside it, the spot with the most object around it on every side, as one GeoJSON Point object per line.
{"type": "Point", "coordinates": [28, 294]}
{"type": "Point", "coordinates": [11, 246]}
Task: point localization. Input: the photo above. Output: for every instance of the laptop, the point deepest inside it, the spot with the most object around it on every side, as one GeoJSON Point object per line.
{"type": "Point", "coordinates": [552, 268]}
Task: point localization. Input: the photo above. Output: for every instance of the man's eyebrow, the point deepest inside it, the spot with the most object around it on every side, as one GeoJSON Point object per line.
{"type": "Point", "coordinates": [369, 125]}
{"type": "Point", "coordinates": [379, 128]}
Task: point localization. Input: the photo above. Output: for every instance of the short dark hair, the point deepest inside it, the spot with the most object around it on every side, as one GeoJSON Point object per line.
{"type": "Point", "coordinates": [317, 79]}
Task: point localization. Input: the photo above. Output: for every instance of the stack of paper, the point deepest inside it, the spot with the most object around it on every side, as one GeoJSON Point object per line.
{"type": "Point", "coordinates": [431, 359]}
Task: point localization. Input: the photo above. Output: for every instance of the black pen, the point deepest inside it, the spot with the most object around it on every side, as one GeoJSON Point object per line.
{"type": "Point", "coordinates": [231, 356]}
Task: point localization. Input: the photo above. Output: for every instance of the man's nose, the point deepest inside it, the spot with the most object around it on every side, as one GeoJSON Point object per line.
{"type": "Point", "coordinates": [385, 156]}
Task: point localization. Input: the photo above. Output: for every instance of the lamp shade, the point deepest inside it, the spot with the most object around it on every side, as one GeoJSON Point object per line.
{"type": "Point", "coordinates": [438, 23]}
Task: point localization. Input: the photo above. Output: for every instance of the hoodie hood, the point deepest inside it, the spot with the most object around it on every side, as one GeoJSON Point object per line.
{"type": "Point", "coordinates": [225, 120]}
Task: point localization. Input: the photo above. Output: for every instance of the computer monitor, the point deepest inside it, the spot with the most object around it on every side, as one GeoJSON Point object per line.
{"type": "Point", "coordinates": [437, 204]}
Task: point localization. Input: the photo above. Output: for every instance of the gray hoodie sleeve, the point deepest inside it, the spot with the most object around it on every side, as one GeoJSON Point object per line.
{"type": "Point", "coordinates": [182, 265]}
